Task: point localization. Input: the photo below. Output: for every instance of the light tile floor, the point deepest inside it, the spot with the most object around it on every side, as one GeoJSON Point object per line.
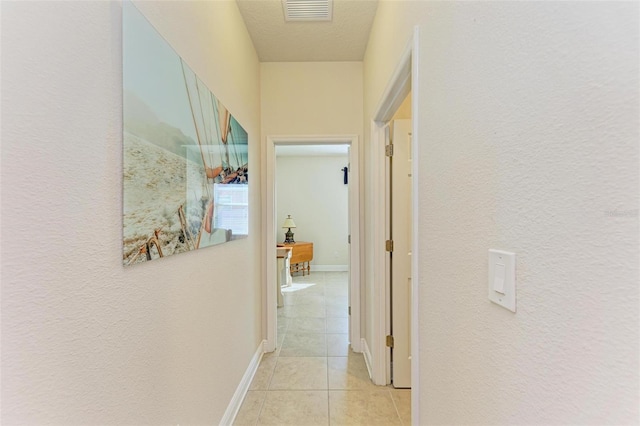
{"type": "Point", "coordinates": [313, 377]}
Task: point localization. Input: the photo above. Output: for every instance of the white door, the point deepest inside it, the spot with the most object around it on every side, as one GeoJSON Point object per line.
{"type": "Point", "coordinates": [401, 235]}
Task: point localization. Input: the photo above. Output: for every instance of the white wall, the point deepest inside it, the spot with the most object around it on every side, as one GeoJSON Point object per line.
{"type": "Point", "coordinates": [311, 189]}
{"type": "Point", "coordinates": [84, 340]}
{"type": "Point", "coordinates": [528, 141]}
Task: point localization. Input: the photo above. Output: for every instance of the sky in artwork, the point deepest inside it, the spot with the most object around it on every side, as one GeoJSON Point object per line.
{"type": "Point", "coordinates": [152, 71]}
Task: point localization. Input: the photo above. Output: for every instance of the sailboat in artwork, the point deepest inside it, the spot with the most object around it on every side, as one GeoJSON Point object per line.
{"type": "Point", "coordinates": [221, 163]}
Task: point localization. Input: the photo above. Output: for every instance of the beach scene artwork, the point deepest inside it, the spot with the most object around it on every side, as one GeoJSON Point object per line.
{"type": "Point", "coordinates": [186, 162]}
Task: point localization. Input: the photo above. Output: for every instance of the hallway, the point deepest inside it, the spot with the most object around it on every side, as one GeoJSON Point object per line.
{"type": "Point", "coordinates": [313, 378]}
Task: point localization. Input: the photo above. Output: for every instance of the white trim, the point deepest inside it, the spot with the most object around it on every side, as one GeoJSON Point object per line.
{"type": "Point", "coordinates": [269, 225]}
{"type": "Point", "coordinates": [403, 81]}
{"type": "Point", "coordinates": [378, 358]}
{"type": "Point", "coordinates": [367, 356]}
{"type": "Point", "coordinates": [241, 391]}
{"type": "Point", "coordinates": [388, 131]}
{"type": "Point", "coordinates": [398, 87]}
{"type": "Point", "coordinates": [329, 268]}
{"type": "Point", "coordinates": [355, 227]}
{"type": "Point", "coordinates": [270, 248]}
{"type": "Point", "coordinates": [415, 252]}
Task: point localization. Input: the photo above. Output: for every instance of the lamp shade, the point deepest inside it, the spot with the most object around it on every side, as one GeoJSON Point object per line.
{"type": "Point", "coordinates": [289, 223]}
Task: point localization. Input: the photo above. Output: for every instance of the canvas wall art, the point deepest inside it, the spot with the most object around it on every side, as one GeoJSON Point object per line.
{"type": "Point", "coordinates": [186, 162]}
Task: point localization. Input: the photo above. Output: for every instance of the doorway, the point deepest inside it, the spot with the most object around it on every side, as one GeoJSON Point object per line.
{"type": "Point", "coordinates": [271, 225]}
{"type": "Point", "coordinates": [399, 169]}
{"type": "Point", "coordinates": [402, 82]}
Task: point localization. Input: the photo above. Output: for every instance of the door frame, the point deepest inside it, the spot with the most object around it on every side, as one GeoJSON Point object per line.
{"type": "Point", "coordinates": [270, 226]}
{"type": "Point", "coordinates": [403, 81]}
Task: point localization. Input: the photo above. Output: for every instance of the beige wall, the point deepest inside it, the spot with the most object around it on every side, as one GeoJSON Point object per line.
{"type": "Point", "coordinates": [311, 98]}
{"type": "Point", "coordinates": [404, 110]}
{"type": "Point", "coordinates": [528, 142]}
{"type": "Point", "coordinates": [84, 340]}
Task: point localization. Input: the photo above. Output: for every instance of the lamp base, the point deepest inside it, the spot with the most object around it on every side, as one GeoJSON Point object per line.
{"type": "Point", "coordinates": [288, 237]}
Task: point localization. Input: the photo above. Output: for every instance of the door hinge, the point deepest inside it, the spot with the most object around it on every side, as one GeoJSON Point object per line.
{"type": "Point", "coordinates": [389, 341]}
{"type": "Point", "coordinates": [388, 150]}
{"type": "Point", "coordinates": [349, 310]}
{"type": "Point", "coordinates": [349, 238]}
{"type": "Point", "coordinates": [388, 245]}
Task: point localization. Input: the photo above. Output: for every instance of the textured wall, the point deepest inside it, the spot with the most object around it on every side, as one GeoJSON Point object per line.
{"type": "Point", "coordinates": [528, 142]}
{"type": "Point", "coordinates": [84, 340]}
{"type": "Point", "coordinates": [312, 191]}
{"type": "Point", "coordinates": [311, 98]}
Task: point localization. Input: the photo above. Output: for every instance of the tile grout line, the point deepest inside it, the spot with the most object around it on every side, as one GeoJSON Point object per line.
{"type": "Point", "coordinates": [264, 401]}
{"type": "Point", "coordinates": [328, 400]}
{"type": "Point", "coordinates": [324, 299]}
{"type": "Point", "coordinates": [393, 401]}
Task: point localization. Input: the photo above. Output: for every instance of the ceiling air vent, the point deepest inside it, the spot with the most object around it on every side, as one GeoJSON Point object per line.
{"type": "Point", "coordinates": [307, 10]}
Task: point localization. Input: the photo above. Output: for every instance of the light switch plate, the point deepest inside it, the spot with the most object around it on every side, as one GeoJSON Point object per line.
{"type": "Point", "coordinates": [507, 284]}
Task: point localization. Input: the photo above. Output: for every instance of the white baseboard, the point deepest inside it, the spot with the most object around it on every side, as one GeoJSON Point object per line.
{"type": "Point", "coordinates": [329, 268]}
{"type": "Point", "coordinates": [367, 357]}
{"type": "Point", "coordinates": [356, 346]}
{"type": "Point", "coordinates": [236, 401]}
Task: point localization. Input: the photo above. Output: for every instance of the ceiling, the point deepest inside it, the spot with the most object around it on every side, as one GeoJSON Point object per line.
{"type": "Point", "coordinates": [342, 39]}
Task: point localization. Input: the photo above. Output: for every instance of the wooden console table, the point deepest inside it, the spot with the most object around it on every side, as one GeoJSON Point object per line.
{"type": "Point", "coordinates": [301, 256]}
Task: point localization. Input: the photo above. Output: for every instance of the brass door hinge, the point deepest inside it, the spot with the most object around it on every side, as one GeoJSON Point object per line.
{"type": "Point", "coordinates": [388, 150]}
{"type": "Point", "coordinates": [389, 341]}
{"type": "Point", "coordinates": [388, 245]}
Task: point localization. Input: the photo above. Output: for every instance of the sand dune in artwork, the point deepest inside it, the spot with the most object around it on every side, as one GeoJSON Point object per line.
{"type": "Point", "coordinates": [155, 184]}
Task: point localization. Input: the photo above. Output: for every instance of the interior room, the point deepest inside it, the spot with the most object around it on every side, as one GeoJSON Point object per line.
{"type": "Point", "coordinates": [311, 188]}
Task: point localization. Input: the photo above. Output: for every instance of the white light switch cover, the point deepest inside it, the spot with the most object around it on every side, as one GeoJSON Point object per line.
{"type": "Point", "coordinates": [502, 278]}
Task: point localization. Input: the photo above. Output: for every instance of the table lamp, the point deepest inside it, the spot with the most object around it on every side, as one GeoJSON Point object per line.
{"type": "Point", "coordinates": [289, 223]}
